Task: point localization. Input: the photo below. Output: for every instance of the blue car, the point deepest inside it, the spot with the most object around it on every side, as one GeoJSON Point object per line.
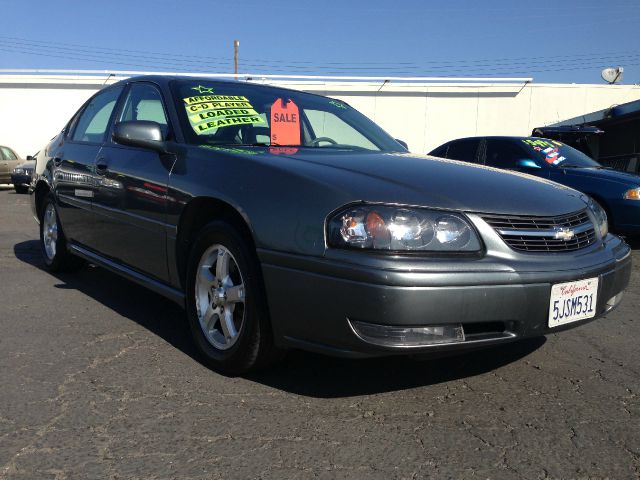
{"type": "Point", "coordinates": [617, 192]}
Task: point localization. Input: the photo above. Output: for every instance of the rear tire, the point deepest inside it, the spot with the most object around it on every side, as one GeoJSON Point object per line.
{"type": "Point", "coordinates": [20, 189]}
{"type": "Point", "coordinates": [226, 303]}
{"type": "Point", "coordinates": [53, 242]}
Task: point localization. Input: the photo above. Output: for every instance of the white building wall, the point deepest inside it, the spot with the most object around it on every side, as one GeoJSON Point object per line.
{"type": "Point", "coordinates": [33, 108]}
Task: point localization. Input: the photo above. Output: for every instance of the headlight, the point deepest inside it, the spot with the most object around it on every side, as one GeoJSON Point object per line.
{"type": "Point", "coordinates": [601, 217]}
{"type": "Point", "coordinates": [18, 170]}
{"type": "Point", "coordinates": [632, 194]}
{"type": "Point", "coordinates": [381, 227]}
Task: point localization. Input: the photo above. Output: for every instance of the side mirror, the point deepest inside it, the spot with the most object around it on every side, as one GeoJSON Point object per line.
{"type": "Point", "coordinates": [140, 133]}
{"type": "Point", "coordinates": [403, 143]}
{"type": "Point", "coordinates": [30, 157]}
{"type": "Point", "coordinates": [528, 164]}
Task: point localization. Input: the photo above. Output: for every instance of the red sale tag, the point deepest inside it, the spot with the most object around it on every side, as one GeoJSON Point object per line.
{"type": "Point", "coordinates": [285, 123]}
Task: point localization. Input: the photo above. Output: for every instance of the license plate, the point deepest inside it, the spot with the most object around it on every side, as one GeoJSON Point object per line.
{"type": "Point", "coordinates": [573, 301]}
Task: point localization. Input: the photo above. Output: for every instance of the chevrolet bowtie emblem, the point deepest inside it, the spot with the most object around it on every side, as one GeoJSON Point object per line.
{"type": "Point", "coordinates": [565, 234]}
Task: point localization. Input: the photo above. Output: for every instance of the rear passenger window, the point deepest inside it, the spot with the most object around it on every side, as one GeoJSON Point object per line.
{"type": "Point", "coordinates": [503, 154]}
{"type": "Point", "coordinates": [464, 150]}
{"type": "Point", "coordinates": [93, 123]}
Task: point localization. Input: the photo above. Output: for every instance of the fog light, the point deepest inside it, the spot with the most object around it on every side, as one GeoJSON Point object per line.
{"type": "Point", "coordinates": [614, 301]}
{"type": "Point", "coordinates": [392, 336]}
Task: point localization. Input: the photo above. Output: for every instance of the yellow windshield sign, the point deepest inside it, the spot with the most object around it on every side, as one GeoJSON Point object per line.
{"type": "Point", "coordinates": [207, 113]}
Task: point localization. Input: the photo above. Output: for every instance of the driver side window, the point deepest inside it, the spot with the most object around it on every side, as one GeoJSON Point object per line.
{"type": "Point", "coordinates": [326, 124]}
{"type": "Point", "coordinates": [503, 154]}
{"type": "Point", "coordinates": [144, 102]}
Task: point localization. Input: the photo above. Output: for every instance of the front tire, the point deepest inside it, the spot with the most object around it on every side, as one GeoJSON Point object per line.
{"type": "Point", "coordinates": [53, 242]}
{"type": "Point", "coordinates": [226, 304]}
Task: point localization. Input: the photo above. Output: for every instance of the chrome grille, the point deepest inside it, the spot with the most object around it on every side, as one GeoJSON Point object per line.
{"type": "Point", "coordinates": [545, 234]}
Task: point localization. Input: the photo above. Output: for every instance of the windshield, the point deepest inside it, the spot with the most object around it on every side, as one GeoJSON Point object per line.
{"type": "Point", "coordinates": [225, 113]}
{"type": "Point", "coordinates": [557, 154]}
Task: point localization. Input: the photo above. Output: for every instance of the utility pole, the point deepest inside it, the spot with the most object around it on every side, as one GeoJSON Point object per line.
{"type": "Point", "coordinates": [236, 44]}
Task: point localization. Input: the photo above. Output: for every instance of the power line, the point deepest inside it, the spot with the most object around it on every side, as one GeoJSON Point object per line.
{"type": "Point", "coordinates": [288, 63]}
{"type": "Point", "coordinates": [521, 67]}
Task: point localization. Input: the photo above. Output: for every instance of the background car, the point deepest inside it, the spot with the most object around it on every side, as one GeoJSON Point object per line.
{"type": "Point", "coordinates": [23, 173]}
{"type": "Point", "coordinates": [617, 192]}
{"type": "Point", "coordinates": [8, 161]}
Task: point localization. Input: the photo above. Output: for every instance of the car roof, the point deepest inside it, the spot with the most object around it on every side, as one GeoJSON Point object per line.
{"type": "Point", "coordinates": [498, 137]}
{"type": "Point", "coordinates": [166, 79]}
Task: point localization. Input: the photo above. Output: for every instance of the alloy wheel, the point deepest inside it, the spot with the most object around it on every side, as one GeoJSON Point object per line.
{"type": "Point", "coordinates": [220, 297]}
{"type": "Point", "coordinates": [50, 231]}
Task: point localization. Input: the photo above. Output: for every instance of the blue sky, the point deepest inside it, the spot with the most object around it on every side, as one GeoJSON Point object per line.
{"type": "Point", "coordinates": [551, 41]}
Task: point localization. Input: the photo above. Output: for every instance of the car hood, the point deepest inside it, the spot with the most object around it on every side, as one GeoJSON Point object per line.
{"type": "Point", "coordinates": [418, 180]}
{"type": "Point", "coordinates": [606, 174]}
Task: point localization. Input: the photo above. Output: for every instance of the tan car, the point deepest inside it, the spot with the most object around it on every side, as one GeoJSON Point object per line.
{"type": "Point", "coordinates": [8, 161]}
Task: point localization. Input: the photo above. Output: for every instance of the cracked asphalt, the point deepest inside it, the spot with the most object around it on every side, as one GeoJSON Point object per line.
{"type": "Point", "coordinates": [99, 380]}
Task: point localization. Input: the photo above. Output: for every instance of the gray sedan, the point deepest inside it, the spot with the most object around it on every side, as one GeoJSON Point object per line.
{"type": "Point", "coordinates": [281, 219]}
{"type": "Point", "coordinates": [8, 161]}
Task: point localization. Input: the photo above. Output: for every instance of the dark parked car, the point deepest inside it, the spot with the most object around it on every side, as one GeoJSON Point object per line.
{"type": "Point", "coordinates": [283, 219]}
{"type": "Point", "coordinates": [617, 192]}
{"type": "Point", "coordinates": [22, 174]}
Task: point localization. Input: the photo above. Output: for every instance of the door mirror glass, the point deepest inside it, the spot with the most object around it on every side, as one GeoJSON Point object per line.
{"type": "Point", "coordinates": [403, 143]}
{"type": "Point", "coordinates": [140, 133]}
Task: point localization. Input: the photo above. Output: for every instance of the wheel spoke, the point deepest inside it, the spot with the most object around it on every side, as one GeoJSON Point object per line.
{"type": "Point", "coordinates": [222, 265]}
{"type": "Point", "coordinates": [208, 318]}
{"type": "Point", "coordinates": [228, 327]}
{"type": "Point", "coordinates": [235, 294]}
{"type": "Point", "coordinates": [205, 276]}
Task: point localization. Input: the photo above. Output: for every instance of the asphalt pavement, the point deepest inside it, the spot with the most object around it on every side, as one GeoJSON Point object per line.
{"type": "Point", "coordinates": [99, 380]}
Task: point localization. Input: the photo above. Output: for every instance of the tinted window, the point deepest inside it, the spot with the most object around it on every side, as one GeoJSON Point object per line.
{"type": "Point", "coordinates": [464, 150]}
{"type": "Point", "coordinates": [441, 151]}
{"type": "Point", "coordinates": [8, 154]}
{"type": "Point", "coordinates": [144, 102]}
{"type": "Point", "coordinates": [503, 153]}
{"type": "Point", "coordinates": [93, 122]}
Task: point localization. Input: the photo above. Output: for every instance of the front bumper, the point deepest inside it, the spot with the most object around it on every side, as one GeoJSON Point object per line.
{"type": "Point", "coordinates": [313, 302]}
{"type": "Point", "coordinates": [21, 179]}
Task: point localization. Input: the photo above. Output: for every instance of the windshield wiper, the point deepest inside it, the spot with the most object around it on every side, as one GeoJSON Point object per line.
{"type": "Point", "coordinates": [570, 166]}
{"type": "Point", "coordinates": [258, 144]}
